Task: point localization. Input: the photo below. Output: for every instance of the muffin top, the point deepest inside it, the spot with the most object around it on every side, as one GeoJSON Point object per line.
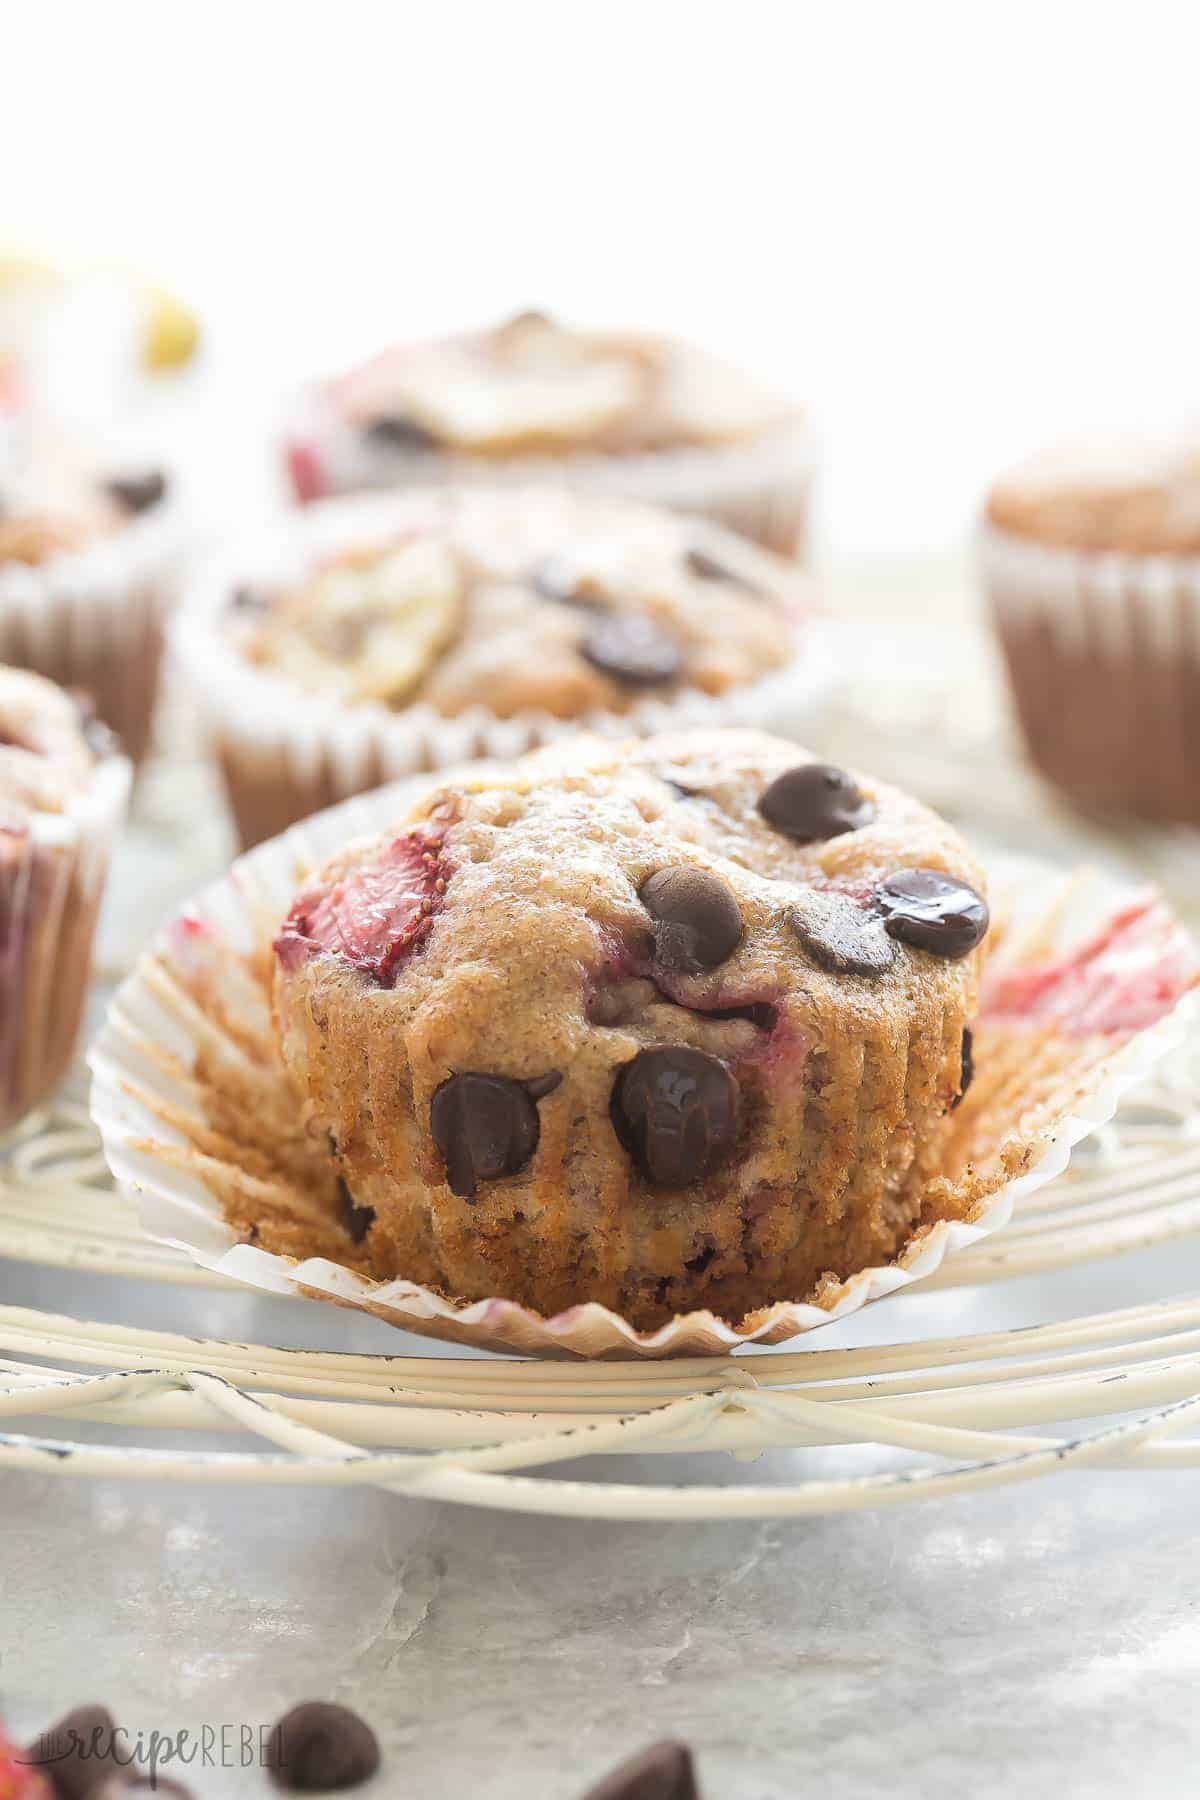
{"type": "Point", "coordinates": [519, 600]}
{"type": "Point", "coordinates": [50, 745]}
{"type": "Point", "coordinates": [1139, 496]}
{"type": "Point", "coordinates": [532, 385]}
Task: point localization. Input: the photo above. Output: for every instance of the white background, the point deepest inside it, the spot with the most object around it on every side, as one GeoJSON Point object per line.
{"type": "Point", "coordinates": [955, 229]}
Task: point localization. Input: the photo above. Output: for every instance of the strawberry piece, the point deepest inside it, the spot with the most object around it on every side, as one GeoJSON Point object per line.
{"type": "Point", "coordinates": [378, 915]}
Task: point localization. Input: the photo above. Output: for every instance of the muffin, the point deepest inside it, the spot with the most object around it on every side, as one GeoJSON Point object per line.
{"type": "Point", "coordinates": [84, 559]}
{"type": "Point", "coordinates": [62, 794]}
{"type": "Point", "coordinates": [624, 412]}
{"type": "Point", "coordinates": [381, 637]}
{"type": "Point", "coordinates": [667, 1024]}
{"type": "Point", "coordinates": [1091, 560]}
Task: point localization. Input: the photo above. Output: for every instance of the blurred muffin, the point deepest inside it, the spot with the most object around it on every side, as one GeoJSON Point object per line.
{"type": "Point", "coordinates": [531, 399]}
{"type": "Point", "coordinates": [1091, 560]}
{"type": "Point", "coordinates": [62, 794]}
{"type": "Point", "coordinates": [384, 637]}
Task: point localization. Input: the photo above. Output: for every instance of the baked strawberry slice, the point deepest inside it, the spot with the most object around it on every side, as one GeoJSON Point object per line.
{"type": "Point", "coordinates": [378, 914]}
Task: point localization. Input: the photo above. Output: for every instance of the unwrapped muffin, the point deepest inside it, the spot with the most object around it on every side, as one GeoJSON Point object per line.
{"type": "Point", "coordinates": [623, 412]}
{"type": "Point", "coordinates": [1091, 559]}
{"type": "Point", "coordinates": [666, 1025]}
{"type": "Point", "coordinates": [62, 796]}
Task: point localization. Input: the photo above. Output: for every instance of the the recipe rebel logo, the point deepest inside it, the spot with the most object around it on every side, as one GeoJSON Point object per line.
{"type": "Point", "coordinates": [151, 1752]}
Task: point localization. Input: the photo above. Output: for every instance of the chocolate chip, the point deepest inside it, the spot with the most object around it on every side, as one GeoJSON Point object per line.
{"type": "Point", "coordinates": [675, 1110]}
{"type": "Point", "coordinates": [77, 1751]}
{"type": "Point", "coordinates": [357, 1219]}
{"type": "Point", "coordinates": [399, 432]}
{"type": "Point", "coordinates": [555, 579]}
{"type": "Point", "coordinates": [932, 911]}
{"type": "Point", "coordinates": [485, 1126]}
{"type": "Point", "coordinates": [538, 1086]}
{"type": "Point", "coordinates": [697, 923]}
{"type": "Point", "coordinates": [708, 568]}
{"type": "Point", "coordinates": [138, 493]}
{"type": "Point", "coordinates": [663, 1772]}
{"type": "Point", "coordinates": [319, 1746]}
{"type": "Point", "coordinates": [815, 801]}
{"type": "Point", "coordinates": [968, 1068]}
{"type": "Point", "coordinates": [634, 651]}
{"type": "Point", "coordinates": [841, 936]}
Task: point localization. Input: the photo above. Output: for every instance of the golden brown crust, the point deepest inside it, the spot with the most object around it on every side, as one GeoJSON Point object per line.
{"type": "Point", "coordinates": [1139, 498]}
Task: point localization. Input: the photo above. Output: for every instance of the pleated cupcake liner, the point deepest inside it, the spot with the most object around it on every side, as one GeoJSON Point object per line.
{"type": "Point", "coordinates": [188, 1051]}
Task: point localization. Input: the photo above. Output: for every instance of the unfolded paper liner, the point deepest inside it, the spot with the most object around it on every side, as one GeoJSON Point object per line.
{"type": "Point", "coordinates": [52, 879]}
{"type": "Point", "coordinates": [758, 486]}
{"type": "Point", "coordinates": [199, 1003]}
{"type": "Point", "coordinates": [286, 755]}
{"type": "Point", "coordinates": [92, 619]}
{"type": "Point", "coordinates": [1103, 655]}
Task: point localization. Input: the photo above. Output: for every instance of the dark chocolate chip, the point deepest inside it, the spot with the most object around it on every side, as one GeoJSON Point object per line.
{"type": "Point", "coordinates": [538, 1086]}
{"type": "Point", "coordinates": [675, 1110]}
{"type": "Point", "coordinates": [485, 1126]}
{"type": "Point", "coordinates": [357, 1219]}
{"type": "Point", "coordinates": [697, 923]}
{"type": "Point", "coordinates": [398, 432]}
{"type": "Point", "coordinates": [632, 650]}
{"type": "Point", "coordinates": [968, 1068]}
{"type": "Point", "coordinates": [555, 579]}
{"type": "Point", "coordinates": [932, 911]}
{"type": "Point", "coordinates": [815, 801]}
{"type": "Point", "coordinates": [663, 1772]}
{"type": "Point", "coordinates": [77, 1752]}
{"type": "Point", "coordinates": [138, 493]}
{"type": "Point", "coordinates": [841, 936]}
{"type": "Point", "coordinates": [319, 1746]}
{"type": "Point", "coordinates": [709, 568]}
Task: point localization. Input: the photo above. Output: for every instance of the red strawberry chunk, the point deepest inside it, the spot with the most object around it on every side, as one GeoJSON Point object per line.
{"type": "Point", "coordinates": [378, 915]}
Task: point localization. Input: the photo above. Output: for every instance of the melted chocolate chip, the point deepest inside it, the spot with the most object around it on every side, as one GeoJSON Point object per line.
{"type": "Point", "coordinates": [319, 1747]}
{"type": "Point", "coordinates": [357, 1219]}
{"type": "Point", "coordinates": [138, 493]}
{"type": "Point", "coordinates": [538, 1086]}
{"type": "Point", "coordinates": [79, 1751]}
{"type": "Point", "coordinates": [709, 568]}
{"type": "Point", "coordinates": [697, 923]}
{"type": "Point", "coordinates": [840, 936]}
{"type": "Point", "coordinates": [632, 650]}
{"type": "Point", "coordinates": [675, 1110]}
{"type": "Point", "coordinates": [932, 911]}
{"type": "Point", "coordinates": [400, 432]}
{"type": "Point", "coordinates": [815, 801]}
{"type": "Point", "coordinates": [968, 1068]}
{"type": "Point", "coordinates": [485, 1126]}
{"type": "Point", "coordinates": [663, 1772]}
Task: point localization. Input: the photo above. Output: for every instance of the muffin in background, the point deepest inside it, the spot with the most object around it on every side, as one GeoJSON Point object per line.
{"type": "Point", "coordinates": [63, 790]}
{"type": "Point", "coordinates": [531, 400]}
{"type": "Point", "coordinates": [380, 636]}
{"type": "Point", "coordinates": [1091, 561]}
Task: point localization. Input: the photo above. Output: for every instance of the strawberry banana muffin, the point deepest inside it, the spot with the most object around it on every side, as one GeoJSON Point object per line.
{"type": "Point", "coordinates": [668, 1024]}
{"type": "Point", "coordinates": [625, 412]}
{"type": "Point", "coordinates": [465, 609]}
{"type": "Point", "coordinates": [82, 568]}
{"type": "Point", "coordinates": [62, 794]}
{"type": "Point", "coordinates": [1092, 564]}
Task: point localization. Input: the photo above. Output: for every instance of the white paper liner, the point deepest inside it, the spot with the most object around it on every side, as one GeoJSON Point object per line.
{"type": "Point", "coordinates": [286, 754]}
{"type": "Point", "coordinates": [147, 1017]}
{"type": "Point", "coordinates": [758, 486]}
{"type": "Point", "coordinates": [93, 618]}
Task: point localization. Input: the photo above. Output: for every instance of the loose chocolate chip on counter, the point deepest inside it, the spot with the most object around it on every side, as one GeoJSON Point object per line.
{"type": "Point", "coordinates": [815, 801]}
{"type": "Point", "coordinates": [399, 432]}
{"type": "Point", "coordinates": [485, 1126]}
{"type": "Point", "coordinates": [840, 936]}
{"type": "Point", "coordinates": [675, 1110]}
{"type": "Point", "coordinates": [138, 493]}
{"type": "Point", "coordinates": [319, 1747]}
{"type": "Point", "coordinates": [357, 1219]}
{"type": "Point", "coordinates": [709, 568]}
{"type": "Point", "coordinates": [663, 1772]}
{"type": "Point", "coordinates": [632, 650]}
{"type": "Point", "coordinates": [77, 1752]}
{"type": "Point", "coordinates": [697, 923]}
{"type": "Point", "coordinates": [968, 1068]}
{"type": "Point", "coordinates": [932, 911]}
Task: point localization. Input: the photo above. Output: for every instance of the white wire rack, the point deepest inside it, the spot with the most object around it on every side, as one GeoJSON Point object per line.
{"type": "Point", "coordinates": [955, 1414]}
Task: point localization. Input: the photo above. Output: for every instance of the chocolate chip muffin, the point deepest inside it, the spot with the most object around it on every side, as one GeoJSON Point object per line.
{"type": "Point", "coordinates": [670, 1024]}
{"type": "Point", "coordinates": [474, 618]}
{"type": "Point", "coordinates": [624, 412]}
{"type": "Point", "coordinates": [1091, 560]}
{"type": "Point", "coordinates": [62, 792]}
